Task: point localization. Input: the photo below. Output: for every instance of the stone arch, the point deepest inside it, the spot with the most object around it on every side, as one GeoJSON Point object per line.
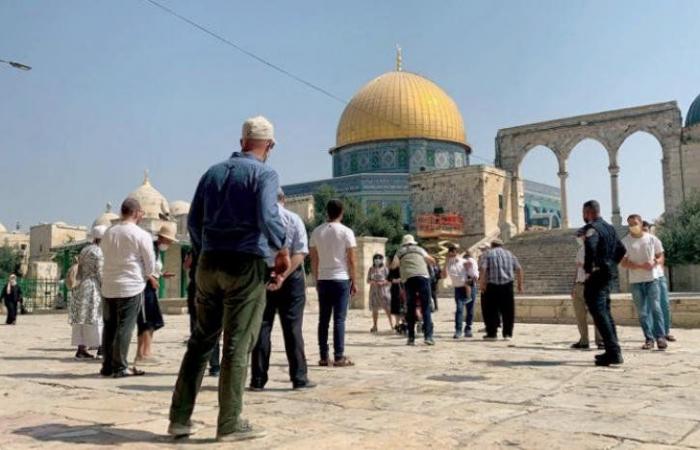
{"type": "Point", "coordinates": [610, 128]}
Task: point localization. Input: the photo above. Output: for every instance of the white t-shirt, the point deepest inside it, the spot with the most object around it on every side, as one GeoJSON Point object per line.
{"type": "Point", "coordinates": [457, 271]}
{"type": "Point", "coordinates": [639, 251]}
{"type": "Point", "coordinates": [129, 260]}
{"type": "Point", "coordinates": [658, 269]}
{"type": "Point", "coordinates": [473, 269]}
{"type": "Point", "coordinates": [332, 241]}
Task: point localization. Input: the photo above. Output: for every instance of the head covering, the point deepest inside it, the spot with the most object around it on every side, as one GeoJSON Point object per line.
{"type": "Point", "coordinates": [484, 247]}
{"type": "Point", "coordinates": [408, 239]}
{"type": "Point", "coordinates": [497, 242]}
{"type": "Point", "coordinates": [10, 279]}
{"type": "Point", "coordinates": [167, 231]}
{"type": "Point", "coordinates": [98, 231]}
{"type": "Point", "coordinates": [258, 127]}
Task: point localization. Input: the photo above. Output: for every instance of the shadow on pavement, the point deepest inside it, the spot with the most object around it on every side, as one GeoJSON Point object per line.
{"type": "Point", "coordinates": [89, 434]}
{"type": "Point", "coordinates": [75, 376]}
{"type": "Point", "coordinates": [530, 363]}
{"type": "Point", "coordinates": [158, 388]}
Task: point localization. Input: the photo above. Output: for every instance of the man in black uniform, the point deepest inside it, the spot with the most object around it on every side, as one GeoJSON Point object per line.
{"type": "Point", "coordinates": [603, 252]}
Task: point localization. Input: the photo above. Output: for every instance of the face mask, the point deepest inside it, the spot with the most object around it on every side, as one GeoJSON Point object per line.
{"type": "Point", "coordinates": [636, 229]}
{"type": "Point", "coordinates": [13, 282]}
{"type": "Point", "coordinates": [163, 247]}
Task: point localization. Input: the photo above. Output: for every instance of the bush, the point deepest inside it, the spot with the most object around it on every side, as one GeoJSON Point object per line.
{"type": "Point", "coordinates": [680, 233]}
{"type": "Point", "coordinates": [10, 261]}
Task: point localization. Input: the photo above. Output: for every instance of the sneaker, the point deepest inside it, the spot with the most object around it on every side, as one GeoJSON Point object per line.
{"type": "Point", "coordinates": [456, 336]}
{"type": "Point", "coordinates": [490, 338]}
{"type": "Point", "coordinates": [661, 344]}
{"type": "Point", "coordinates": [244, 431]}
{"type": "Point", "coordinates": [429, 341]}
{"type": "Point", "coordinates": [648, 345]}
{"type": "Point", "coordinates": [670, 338]}
{"type": "Point", "coordinates": [411, 341]}
{"type": "Point", "coordinates": [305, 385]}
{"type": "Point", "coordinates": [214, 372]}
{"type": "Point", "coordinates": [179, 431]}
{"type": "Point", "coordinates": [256, 387]}
{"type": "Point", "coordinates": [468, 334]}
{"type": "Point", "coordinates": [507, 338]}
{"type": "Point", "coordinates": [580, 346]}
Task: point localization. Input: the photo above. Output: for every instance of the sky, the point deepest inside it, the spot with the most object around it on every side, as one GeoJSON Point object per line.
{"type": "Point", "coordinates": [121, 87]}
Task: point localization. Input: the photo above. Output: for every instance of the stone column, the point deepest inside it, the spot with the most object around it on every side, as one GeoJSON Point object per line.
{"type": "Point", "coordinates": [614, 191]}
{"type": "Point", "coordinates": [563, 175]}
{"type": "Point", "coordinates": [366, 248]}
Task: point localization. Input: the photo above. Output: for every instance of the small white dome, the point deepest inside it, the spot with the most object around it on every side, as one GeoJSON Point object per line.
{"type": "Point", "coordinates": [179, 208]}
{"type": "Point", "coordinates": [152, 202]}
{"type": "Point", "coordinates": [2, 228]}
{"type": "Point", "coordinates": [106, 217]}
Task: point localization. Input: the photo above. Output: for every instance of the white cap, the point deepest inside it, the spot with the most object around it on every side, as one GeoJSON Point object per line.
{"type": "Point", "coordinates": [98, 231]}
{"type": "Point", "coordinates": [258, 127]}
{"type": "Point", "coordinates": [408, 239]}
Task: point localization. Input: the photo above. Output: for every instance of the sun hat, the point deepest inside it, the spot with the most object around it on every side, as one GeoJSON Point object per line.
{"type": "Point", "coordinates": [408, 239]}
{"type": "Point", "coordinates": [167, 231]}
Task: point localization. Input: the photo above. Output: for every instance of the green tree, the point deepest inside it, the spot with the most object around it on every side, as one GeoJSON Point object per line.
{"type": "Point", "coordinates": [680, 233]}
{"type": "Point", "coordinates": [379, 222]}
{"type": "Point", "coordinates": [10, 261]}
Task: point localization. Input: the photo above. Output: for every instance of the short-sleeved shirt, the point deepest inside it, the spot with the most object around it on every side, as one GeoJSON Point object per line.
{"type": "Point", "coordinates": [641, 250]}
{"type": "Point", "coordinates": [658, 269]}
{"type": "Point", "coordinates": [411, 259]}
{"type": "Point", "coordinates": [456, 271]}
{"type": "Point", "coordinates": [332, 241]}
{"type": "Point", "coordinates": [297, 241]}
{"type": "Point", "coordinates": [500, 266]}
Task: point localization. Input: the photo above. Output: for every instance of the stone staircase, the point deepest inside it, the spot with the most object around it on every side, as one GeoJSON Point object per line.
{"type": "Point", "coordinates": [547, 258]}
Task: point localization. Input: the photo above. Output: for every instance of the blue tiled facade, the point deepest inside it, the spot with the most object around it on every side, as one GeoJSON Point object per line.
{"type": "Point", "coordinates": [377, 173]}
{"type": "Point", "coordinates": [398, 156]}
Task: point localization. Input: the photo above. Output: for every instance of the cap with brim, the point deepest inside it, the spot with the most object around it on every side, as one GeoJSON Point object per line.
{"type": "Point", "coordinates": [167, 231]}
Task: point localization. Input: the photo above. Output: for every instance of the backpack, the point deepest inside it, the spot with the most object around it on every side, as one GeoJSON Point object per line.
{"type": "Point", "coordinates": [72, 277]}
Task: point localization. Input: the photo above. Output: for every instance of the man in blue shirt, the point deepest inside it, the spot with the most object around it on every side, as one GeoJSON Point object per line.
{"type": "Point", "coordinates": [235, 225]}
{"type": "Point", "coordinates": [289, 301]}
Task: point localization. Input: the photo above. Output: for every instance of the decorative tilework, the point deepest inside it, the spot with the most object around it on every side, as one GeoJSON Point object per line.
{"type": "Point", "coordinates": [442, 160]}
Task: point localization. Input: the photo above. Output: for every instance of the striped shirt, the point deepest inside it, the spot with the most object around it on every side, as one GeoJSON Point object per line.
{"type": "Point", "coordinates": [500, 266]}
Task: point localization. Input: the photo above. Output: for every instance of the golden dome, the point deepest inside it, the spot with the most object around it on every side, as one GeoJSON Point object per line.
{"type": "Point", "coordinates": [399, 105]}
{"type": "Point", "coordinates": [154, 205]}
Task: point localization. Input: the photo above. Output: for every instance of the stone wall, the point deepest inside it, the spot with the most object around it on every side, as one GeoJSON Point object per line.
{"type": "Point", "coordinates": [474, 192]}
{"type": "Point", "coordinates": [366, 248]}
{"type": "Point", "coordinates": [685, 278]}
{"type": "Point", "coordinates": [43, 237]}
{"type": "Point", "coordinates": [558, 309]}
{"type": "Point", "coordinates": [302, 205]}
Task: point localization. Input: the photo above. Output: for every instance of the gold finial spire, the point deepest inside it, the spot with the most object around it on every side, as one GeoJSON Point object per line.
{"type": "Point", "coordinates": [146, 179]}
{"type": "Point", "coordinates": [399, 59]}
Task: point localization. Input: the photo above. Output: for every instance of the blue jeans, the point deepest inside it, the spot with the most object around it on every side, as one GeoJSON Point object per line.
{"type": "Point", "coordinates": [462, 301]}
{"type": "Point", "coordinates": [646, 300]}
{"type": "Point", "coordinates": [333, 299]}
{"type": "Point", "coordinates": [665, 306]}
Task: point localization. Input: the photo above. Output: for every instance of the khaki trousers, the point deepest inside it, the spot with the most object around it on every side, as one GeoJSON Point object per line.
{"type": "Point", "coordinates": [581, 312]}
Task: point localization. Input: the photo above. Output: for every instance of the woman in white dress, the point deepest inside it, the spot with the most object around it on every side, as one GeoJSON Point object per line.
{"type": "Point", "coordinates": [85, 311]}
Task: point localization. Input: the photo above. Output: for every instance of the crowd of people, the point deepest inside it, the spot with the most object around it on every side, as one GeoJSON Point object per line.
{"type": "Point", "coordinates": [247, 266]}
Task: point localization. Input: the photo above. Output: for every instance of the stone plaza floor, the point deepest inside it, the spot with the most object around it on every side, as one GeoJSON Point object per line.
{"type": "Point", "coordinates": [532, 392]}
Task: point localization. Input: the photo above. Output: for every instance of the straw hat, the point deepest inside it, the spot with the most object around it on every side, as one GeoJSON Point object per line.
{"type": "Point", "coordinates": [167, 231]}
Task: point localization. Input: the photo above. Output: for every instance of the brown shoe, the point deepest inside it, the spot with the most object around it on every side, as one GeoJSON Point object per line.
{"type": "Point", "coordinates": [343, 362]}
{"type": "Point", "coordinates": [324, 363]}
{"type": "Point", "coordinates": [661, 344]}
{"type": "Point", "coordinates": [648, 345]}
{"type": "Point", "coordinates": [670, 338]}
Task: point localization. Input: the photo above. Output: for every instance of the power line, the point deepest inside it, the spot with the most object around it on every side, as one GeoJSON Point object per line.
{"type": "Point", "coordinates": [272, 65]}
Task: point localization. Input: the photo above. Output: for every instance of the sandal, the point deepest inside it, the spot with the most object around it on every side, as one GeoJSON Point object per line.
{"type": "Point", "coordinates": [343, 362]}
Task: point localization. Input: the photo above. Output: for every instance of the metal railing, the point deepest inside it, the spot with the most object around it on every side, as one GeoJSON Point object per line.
{"type": "Point", "coordinates": [40, 294]}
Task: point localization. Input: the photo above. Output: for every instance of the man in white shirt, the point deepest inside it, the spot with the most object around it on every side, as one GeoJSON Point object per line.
{"type": "Point", "coordinates": [643, 254]}
{"type": "Point", "coordinates": [456, 267]}
{"type": "Point", "coordinates": [663, 283]}
{"type": "Point", "coordinates": [579, 300]}
{"type": "Point", "coordinates": [332, 249]}
{"type": "Point", "coordinates": [129, 261]}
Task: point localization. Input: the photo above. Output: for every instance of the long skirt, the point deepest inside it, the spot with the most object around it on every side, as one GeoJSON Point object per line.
{"type": "Point", "coordinates": [87, 335]}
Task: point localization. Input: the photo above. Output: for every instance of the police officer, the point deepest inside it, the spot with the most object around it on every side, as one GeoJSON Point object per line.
{"type": "Point", "coordinates": [603, 251]}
